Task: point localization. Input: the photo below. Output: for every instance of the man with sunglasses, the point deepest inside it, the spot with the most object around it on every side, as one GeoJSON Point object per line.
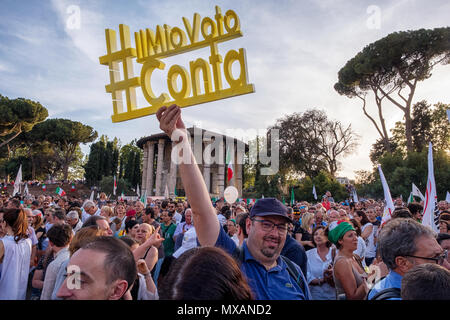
{"type": "Point", "coordinates": [404, 243]}
{"type": "Point", "coordinates": [267, 272]}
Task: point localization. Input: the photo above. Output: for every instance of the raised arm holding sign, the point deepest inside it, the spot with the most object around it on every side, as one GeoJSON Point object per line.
{"type": "Point", "coordinates": [266, 227]}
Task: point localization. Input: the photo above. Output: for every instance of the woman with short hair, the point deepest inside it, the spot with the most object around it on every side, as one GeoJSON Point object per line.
{"type": "Point", "coordinates": [320, 266]}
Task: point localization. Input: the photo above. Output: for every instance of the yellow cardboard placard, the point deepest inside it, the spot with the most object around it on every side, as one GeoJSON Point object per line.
{"type": "Point", "coordinates": [165, 41]}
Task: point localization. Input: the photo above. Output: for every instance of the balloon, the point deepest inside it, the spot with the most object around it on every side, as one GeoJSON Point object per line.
{"type": "Point", "coordinates": [231, 194]}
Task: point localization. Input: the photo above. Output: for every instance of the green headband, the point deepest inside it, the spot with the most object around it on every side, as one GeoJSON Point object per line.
{"type": "Point", "coordinates": [338, 232]}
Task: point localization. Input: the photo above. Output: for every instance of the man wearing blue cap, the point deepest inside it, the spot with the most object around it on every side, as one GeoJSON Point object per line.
{"type": "Point", "coordinates": [269, 274]}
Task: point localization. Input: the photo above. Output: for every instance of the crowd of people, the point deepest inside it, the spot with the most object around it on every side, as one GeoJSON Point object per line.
{"type": "Point", "coordinates": [60, 247]}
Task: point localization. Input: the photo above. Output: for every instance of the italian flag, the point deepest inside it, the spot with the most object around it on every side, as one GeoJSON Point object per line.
{"type": "Point", "coordinates": [229, 161]}
{"type": "Point", "coordinates": [115, 186]}
{"type": "Point", "coordinates": [72, 188]}
{"type": "Point", "coordinates": [44, 187]}
{"type": "Point", "coordinates": [60, 191]}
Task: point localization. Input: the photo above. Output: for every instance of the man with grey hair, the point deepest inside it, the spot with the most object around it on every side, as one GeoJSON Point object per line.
{"type": "Point", "coordinates": [31, 234]}
{"type": "Point", "coordinates": [333, 218]}
{"type": "Point", "coordinates": [89, 210]}
{"type": "Point", "coordinates": [403, 244]}
{"type": "Point", "coordinates": [74, 221]}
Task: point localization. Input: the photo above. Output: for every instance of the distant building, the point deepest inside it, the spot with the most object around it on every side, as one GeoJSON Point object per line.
{"type": "Point", "coordinates": [343, 180]}
{"type": "Point", "coordinates": [160, 173]}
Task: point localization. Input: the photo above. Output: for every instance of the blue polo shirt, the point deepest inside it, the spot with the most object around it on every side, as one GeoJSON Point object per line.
{"type": "Point", "coordinates": [273, 284]}
{"type": "Point", "coordinates": [392, 280]}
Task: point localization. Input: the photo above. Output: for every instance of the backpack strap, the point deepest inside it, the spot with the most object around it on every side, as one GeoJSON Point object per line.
{"type": "Point", "coordinates": [387, 294]}
{"type": "Point", "coordinates": [294, 273]}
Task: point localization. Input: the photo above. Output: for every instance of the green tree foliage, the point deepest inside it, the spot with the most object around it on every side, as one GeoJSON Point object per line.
{"type": "Point", "coordinates": [323, 182]}
{"type": "Point", "coordinates": [310, 142]}
{"type": "Point", "coordinates": [41, 153]}
{"type": "Point", "coordinates": [402, 170]}
{"type": "Point", "coordinates": [430, 124]}
{"type": "Point", "coordinates": [389, 66]}
{"type": "Point", "coordinates": [17, 116]}
{"type": "Point", "coordinates": [102, 160]}
{"type": "Point", "coordinates": [107, 185]}
{"type": "Point", "coordinates": [65, 135]}
{"type": "Point", "coordinates": [130, 163]}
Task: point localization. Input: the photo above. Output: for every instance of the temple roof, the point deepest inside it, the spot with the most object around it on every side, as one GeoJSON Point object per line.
{"type": "Point", "coordinates": [155, 137]}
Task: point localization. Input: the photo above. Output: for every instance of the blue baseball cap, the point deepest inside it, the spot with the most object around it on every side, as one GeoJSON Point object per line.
{"type": "Point", "coordinates": [269, 207]}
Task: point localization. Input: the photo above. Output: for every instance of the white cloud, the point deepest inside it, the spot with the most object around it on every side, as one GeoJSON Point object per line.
{"type": "Point", "coordinates": [86, 33]}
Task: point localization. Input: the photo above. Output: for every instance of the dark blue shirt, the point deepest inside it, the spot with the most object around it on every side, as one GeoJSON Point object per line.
{"type": "Point", "coordinates": [295, 252]}
{"type": "Point", "coordinates": [273, 284]}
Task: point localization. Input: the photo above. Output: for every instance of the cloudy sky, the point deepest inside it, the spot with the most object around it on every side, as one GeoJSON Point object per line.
{"type": "Point", "coordinates": [294, 50]}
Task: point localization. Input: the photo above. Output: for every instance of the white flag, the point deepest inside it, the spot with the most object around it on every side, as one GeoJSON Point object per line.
{"type": "Point", "coordinates": [355, 196]}
{"type": "Point", "coordinates": [430, 215]}
{"type": "Point", "coordinates": [114, 186]}
{"type": "Point", "coordinates": [314, 192]}
{"type": "Point", "coordinates": [92, 196]}
{"type": "Point", "coordinates": [389, 205]}
{"type": "Point", "coordinates": [18, 181]}
{"type": "Point", "coordinates": [25, 190]}
{"type": "Point", "coordinates": [447, 197]}
{"type": "Point", "coordinates": [137, 191]}
{"type": "Point", "coordinates": [416, 192]}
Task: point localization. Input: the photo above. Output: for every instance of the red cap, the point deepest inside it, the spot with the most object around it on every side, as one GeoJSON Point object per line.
{"type": "Point", "coordinates": [131, 213]}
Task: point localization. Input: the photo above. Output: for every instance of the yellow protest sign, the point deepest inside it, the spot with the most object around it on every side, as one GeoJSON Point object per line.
{"type": "Point", "coordinates": [166, 41]}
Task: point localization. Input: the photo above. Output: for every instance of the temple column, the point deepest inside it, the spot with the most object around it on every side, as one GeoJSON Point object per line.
{"type": "Point", "coordinates": [207, 168]}
{"type": "Point", "coordinates": [159, 166]}
{"type": "Point", "coordinates": [150, 164]}
{"type": "Point", "coordinates": [144, 169]}
{"type": "Point", "coordinates": [172, 176]}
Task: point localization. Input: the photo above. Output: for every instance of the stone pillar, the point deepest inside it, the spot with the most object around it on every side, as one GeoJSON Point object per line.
{"type": "Point", "coordinates": [159, 167]}
{"type": "Point", "coordinates": [172, 176]}
{"type": "Point", "coordinates": [214, 184]}
{"type": "Point", "coordinates": [144, 169]}
{"type": "Point", "coordinates": [239, 178]}
{"type": "Point", "coordinates": [240, 152]}
{"type": "Point", "coordinates": [207, 168]}
{"type": "Point", "coordinates": [150, 164]}
{"type": "Point", "coordinates": [221, 178]}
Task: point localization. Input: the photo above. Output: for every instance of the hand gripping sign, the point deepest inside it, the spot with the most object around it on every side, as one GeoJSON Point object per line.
{"type": "Point", "coordinates": [166, 41]}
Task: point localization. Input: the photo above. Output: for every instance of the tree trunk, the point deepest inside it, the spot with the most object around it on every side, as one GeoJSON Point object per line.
{"type": "Point", "coordinates": [408, 131]}
{"type": "Point", "coordinates": [408, 121]}
{"type": "Point", "coordinates": [65, 171]}
{"type": "Point", "coordinates": [385, 135]}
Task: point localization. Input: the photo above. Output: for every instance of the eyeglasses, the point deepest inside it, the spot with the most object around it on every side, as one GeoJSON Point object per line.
{"type": "Point", "coordinates": [268, 226]}
{"type": "Point", "coordinates": [439, 259]}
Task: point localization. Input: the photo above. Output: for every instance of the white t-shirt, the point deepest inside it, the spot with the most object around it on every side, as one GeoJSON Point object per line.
{"type": "Point", "coordinates": [15, 268]}
{"type": "Point", "coordinates": [235, 238]}
{"type": "Point", "coordinates": [370, 243]}
{"type": "Point", "coordinates": [361, 250]}
{"type": "Point", "coordinates": [222, 219]}
{"type": "Point", "coordinates": [177, 217]}
{"type": "Point", "coordinates": [316, 266]}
